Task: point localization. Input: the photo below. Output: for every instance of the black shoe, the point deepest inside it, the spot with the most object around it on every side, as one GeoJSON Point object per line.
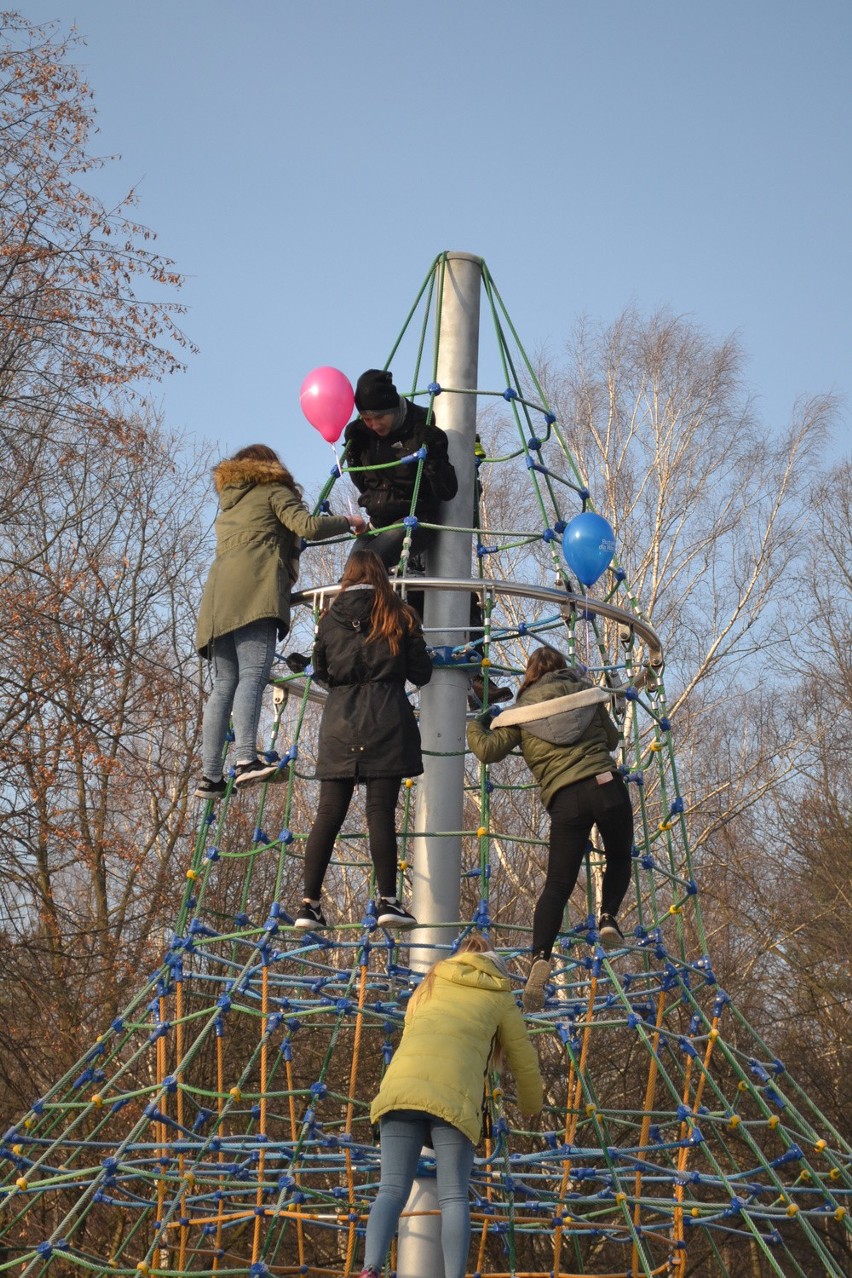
{"type": "Point", "coordinates": [610, 934]}
{"type": "Point", "coordinates": [207, 789]}
{"type": "Point", "coordinates": [496, 693]}
{"type": "Point", "coordinates": [309, 918]}
{"type": "Point", "coordinates": [297, 662]}
{"type": "Point", "coordinates": [477, 693]}
{"type": "Point", "coordinates": [250, 773]}
{"type": "Point", "coordinates": [391, 914]}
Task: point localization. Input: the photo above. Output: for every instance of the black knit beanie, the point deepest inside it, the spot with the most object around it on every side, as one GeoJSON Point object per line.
{"type": "Point", "coordinates": [375, 392]}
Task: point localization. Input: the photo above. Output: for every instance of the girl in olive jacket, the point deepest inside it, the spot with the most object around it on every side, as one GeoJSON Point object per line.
{"type": "Point", "coordinates": [368, 644]}
{"type": "Point", "coordinates": [432, 1093]}
{"type": "Point", "coordinates": [246, 600]}
{"type": "Point", "coordinates": [566, 736]}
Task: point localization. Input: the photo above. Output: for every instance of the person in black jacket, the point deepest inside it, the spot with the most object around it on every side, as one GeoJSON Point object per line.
{"type": "Point", "coordinates": [389, 429]}
{"type": "Point", "coordinates": [368, 644]}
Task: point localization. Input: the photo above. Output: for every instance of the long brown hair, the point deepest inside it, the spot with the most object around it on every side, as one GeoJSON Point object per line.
{"type": "Point", "coordinates": [543, 661]}
{"type": "Point", "coordinates": [263, 453]}
{"type": "Point", "coordinates": [391, 617]}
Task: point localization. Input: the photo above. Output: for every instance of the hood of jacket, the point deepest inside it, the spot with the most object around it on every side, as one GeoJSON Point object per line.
{"type": "Point", "coordinates": [559, 683]}
{"type": "Point", "coordinates": [354, 604]}
{"type": "Point", "coordinates": [478, 971]}
{"type": "Point", "coordinates": [562, 710]}
{"type": "Point", "coordinates": [243, 475]}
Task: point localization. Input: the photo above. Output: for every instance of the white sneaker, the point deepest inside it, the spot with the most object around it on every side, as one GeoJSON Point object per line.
{"type": "Point", "coordinates": [534, 990]}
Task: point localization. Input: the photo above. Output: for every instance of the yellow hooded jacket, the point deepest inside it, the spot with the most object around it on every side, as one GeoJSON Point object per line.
{"type": "Point", "coordinates": [440, 1064]}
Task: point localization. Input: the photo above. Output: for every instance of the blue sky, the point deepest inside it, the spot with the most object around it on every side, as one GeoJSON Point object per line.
{"type": "Point", "coordinates": [304, 161]}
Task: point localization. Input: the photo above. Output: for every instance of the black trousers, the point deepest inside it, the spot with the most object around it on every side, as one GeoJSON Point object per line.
{"type": "Point", "coordinates": [388, 543]}
{"type": "Point", "coordinates": [334, 800]}
{"type": "Point", "coordinates": [388, 546]}
{"type": "Point", "coordinates": [573, 811]}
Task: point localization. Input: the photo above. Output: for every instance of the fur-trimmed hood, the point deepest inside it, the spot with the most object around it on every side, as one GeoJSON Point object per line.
{"type": "Point", "coordinates": [261, 523]}
{"type": "Point", "coordinates": [241, 474]}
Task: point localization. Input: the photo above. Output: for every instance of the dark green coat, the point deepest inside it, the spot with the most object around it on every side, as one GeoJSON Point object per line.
{"type": "Point", "coordinates": [553, 766]}
{"type": "Point", "coordinates": [258, 535]}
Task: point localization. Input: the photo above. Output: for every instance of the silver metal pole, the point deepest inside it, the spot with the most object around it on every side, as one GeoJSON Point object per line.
{"type": "Point", "coordinates": [418, 1250]}
{"type": "Point", "coordinates": [436, 880]}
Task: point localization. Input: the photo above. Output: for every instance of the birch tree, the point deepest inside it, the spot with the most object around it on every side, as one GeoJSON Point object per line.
{"type": "Point", "coordinates": [710, 508]}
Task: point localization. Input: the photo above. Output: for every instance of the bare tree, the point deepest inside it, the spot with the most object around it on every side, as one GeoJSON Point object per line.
{"type": "Point", "coordinates": [708, 505]}
{"type": "Point", "coordinates": [75, 323]}
{"type": "Point", "coordinates": [99, 698]}
{"type": "Point", "coordinates": [99, 535]}
{"type": "Point", "coordinates": [803, 904]}
{"type": "Point", "coordinates": [709, 509]}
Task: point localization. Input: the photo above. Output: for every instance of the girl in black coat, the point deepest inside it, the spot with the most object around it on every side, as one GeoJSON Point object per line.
{"type": "Point", "coordinates": [368, 644]}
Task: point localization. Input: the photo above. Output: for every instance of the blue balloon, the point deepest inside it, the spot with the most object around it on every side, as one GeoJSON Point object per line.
{"type": "Point", "coordinates": [588, 544]}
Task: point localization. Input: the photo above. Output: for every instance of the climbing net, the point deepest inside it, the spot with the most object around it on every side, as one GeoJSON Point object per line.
{"type": "Point", "coordinates": [221, 1123]}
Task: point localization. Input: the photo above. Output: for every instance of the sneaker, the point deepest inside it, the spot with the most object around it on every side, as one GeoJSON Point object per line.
{"type": "Point", "coordinates": [281, 776]}
{"type": "Point", "coordinates": [610, 934]}
{"type": "Point", "coordinates": [309, 917]}
{"type": "Point", "coordinates": [207, 789]}
{"type": "Point", "coordinates": [297, 662]}
{"type": "Point", "coordinates": [476, 697]}
{"type": "Point", "coordinates": [534, 990]}
{"type": "Point", "coordinates": [392, 914]}
{"type": "Point", "coordinates": [369, 1273]}
{"type": "Point", "coordinates": [250, 773]}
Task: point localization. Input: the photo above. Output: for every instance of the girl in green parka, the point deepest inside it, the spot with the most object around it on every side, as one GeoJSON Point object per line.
{"type": "Point", "coordinates": [246, 600]}
{"type": "Point", "coordinates": [432, 1092]}
{"type": "Point", "coordinates": [566, 736]}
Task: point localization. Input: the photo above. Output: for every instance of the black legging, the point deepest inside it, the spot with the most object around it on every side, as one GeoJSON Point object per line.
{"type": "Point", "coordinates": [573, 811]}
{"type": "Point", "coordinates": [334, 800]}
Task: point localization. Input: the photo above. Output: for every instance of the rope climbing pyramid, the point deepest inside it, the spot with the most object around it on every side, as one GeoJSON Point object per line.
{"type": "Point", "coordinates": [220, 1124]}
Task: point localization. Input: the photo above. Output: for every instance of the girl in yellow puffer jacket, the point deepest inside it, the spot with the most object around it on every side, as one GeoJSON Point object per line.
{"type": "Point", "coordinates": [432, 1093]}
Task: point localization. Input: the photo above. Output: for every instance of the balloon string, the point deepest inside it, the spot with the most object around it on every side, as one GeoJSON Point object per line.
{"type": "Point", "coordinates": [586, 619]}
{"type": "Point", "coordinates": [340, 473]}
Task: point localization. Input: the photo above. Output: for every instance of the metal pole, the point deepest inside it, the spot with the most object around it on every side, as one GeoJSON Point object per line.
{"type": "Point", "coordinates": [436, 880]}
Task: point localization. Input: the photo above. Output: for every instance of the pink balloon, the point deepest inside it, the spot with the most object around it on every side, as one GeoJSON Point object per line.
{"type": "Point", "coordinates": [327, 400]}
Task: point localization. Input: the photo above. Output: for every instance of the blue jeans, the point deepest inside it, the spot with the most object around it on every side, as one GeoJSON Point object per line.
{"type": "Point", "coordinates": [404, 1133]}
{"type": "Point", "coordinates": [241, 661]}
